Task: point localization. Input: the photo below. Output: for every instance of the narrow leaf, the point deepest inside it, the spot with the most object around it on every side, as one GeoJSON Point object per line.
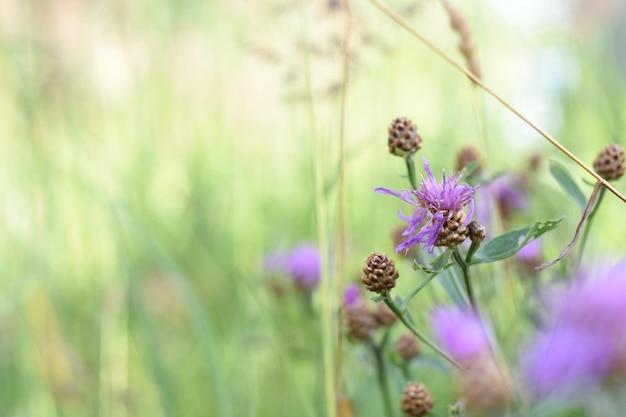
{"type": "Point", "coordinates": [563, 177]}
{"type": "Point", "coordinates": [508, 244]}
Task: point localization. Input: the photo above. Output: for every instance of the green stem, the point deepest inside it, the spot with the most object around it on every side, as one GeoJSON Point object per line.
{"type": "Point", "coordinates": [381, 374]}
{"type": "Point", "coordinates": [466, 275]}
{"type": "Point", "coordinates": [410, 167]}
{"type": "Point", "coordinates": [471, 251]}
{"type": "Point", "coordinates": [416, 332]}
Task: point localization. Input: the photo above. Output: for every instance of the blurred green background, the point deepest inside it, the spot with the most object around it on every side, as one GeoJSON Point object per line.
{"type": "Point", "coordinates": [154, 151]}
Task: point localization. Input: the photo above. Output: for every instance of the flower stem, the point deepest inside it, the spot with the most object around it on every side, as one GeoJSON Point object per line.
{"type": "Point", "coordinates": [381, 374]}
{"type": "Point", "coordinates": [410, 167]}
{"type": "Point", "coordinates": [464, 267]}
{"type": "Point", "coordinates": [416, 332]}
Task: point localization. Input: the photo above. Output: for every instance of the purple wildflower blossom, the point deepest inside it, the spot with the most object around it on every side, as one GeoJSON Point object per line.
{"type": "Point", "coordinates": [303, 265]}
{"type": "Point", "coordinates": [585, 344]}
{"type": "Point", "coordinates": [436, 202]}
{"type": "Point", "coordinates": [460, 332]}
{"type": "Point", "coordinates": [351, 297]}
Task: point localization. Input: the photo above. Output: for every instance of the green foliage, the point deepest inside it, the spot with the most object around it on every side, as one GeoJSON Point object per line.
{"type": "Point", "coordinates": [508, 244]}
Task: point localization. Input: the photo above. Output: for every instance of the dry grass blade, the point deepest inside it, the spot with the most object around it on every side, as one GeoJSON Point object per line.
{"type": "Point", "coordinates": [460, 26]}
{"type": "Point", "coordinates": [399, 20]}
{"type": "Point", "coordinates": [588, 209]}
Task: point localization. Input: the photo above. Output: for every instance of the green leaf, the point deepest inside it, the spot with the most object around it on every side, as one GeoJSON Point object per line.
{"type": "Point", "coordinates": [564, 178]}
{"type": "Point", "coordinates": [508, 244]}
{"type": "Point", "coordinates": [438, 264]}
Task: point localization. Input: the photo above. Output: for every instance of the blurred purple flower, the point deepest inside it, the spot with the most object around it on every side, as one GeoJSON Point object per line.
{"type": "Point", "coordinates": [435, 201]}
{"type": "Point", "coordinates": [530, 252]}
{"type": "Point", "coordinates": [351, 297]}
{"type": "Point", "coordinates": [461, 332]}
{"type": "Point", "coordinates": [303, 265]}
{"type": "Point", "coordinates": [586, 341]}
{"type": "Point", "coordinates": [506, 192]}
{"type": "Point", "coordinates": [566, 359]}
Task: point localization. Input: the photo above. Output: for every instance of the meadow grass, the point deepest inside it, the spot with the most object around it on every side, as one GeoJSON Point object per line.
{"type": "Point", "coordinates": [153, 152]}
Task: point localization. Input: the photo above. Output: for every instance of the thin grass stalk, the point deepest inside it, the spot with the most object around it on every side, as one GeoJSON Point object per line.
{"type": "Point", "coordinates": [399, 20]}
{"type": "Point", "coordinates": [317, 154]}
{"type": "Point", "coordinates": [341, 197]}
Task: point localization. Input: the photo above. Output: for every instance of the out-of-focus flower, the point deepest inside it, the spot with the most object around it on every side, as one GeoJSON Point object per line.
{"type": "Point", "coordinates": [507, 192]}
{"type": "Point", "coordinates": [303, 265]}
{"type": "Point", "coordinates": [407, 346]}
{"type": "Point", "coordinates": [351, 297]}
{"type": "Point", "coordinates": [416, 400]}
{"type": "Point", "coordinates": [584, 346]}
{"type": "Point", "coordinates": [360, 321]}
{"type": "Point", "coordinates": [461, 332]}
{"type": "Point", "coordinates": [438, 218]}
{"type": "Point", "coordinates": [482, 381]}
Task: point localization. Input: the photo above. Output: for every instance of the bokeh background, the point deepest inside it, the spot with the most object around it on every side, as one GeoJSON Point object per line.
{"type": "Point", "coordinates": [153, 152]}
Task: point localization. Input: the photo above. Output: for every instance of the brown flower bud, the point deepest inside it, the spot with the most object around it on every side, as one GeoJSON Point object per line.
{"type": "Point", "coordinates": [484, 386]}
{"type": "Point", "coordinates": [453, 231]}
{"type": "Point", "coordinates": [408, 346]}
{"type": "Point", "coordinates": [384, 315]}
{"type": "Point", "coordinates": [379, 273]}
{"type": "Point", "coordinates": [476, 231]}
{"type": "Point", "coordinates": [466, 156]}
{"type": "Point", "coordinates": [416, 400]}
{"type": "Point", "coordinates": [610, 162]}
{"type": "Point", "coordinates": [360, 322]}
{"type": "Point", "coordinates": [403, 138]}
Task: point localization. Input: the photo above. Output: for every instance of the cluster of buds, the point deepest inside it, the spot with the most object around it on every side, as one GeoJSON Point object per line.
{"type": "Point", "coordinates": [408, 346]}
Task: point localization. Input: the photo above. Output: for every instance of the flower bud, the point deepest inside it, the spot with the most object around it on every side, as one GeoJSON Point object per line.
{"type": "Point", "coordinates": [403, 138]}
{"type": "Point", "coordinates": [379, 273]}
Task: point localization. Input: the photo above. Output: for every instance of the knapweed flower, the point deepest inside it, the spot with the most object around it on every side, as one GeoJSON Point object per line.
{"type": "Point", "coordinates": [585, 345]}
{"type": "Point", "coordinates": [438, 218]}
{"type": "Point", "coordinates": [303, 265]}
{"type": "Point", "coordinates": [460, 332]}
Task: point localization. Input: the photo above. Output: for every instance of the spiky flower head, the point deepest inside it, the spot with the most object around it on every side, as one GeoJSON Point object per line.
{"type": "Point", "coordinates": [379, 273]}
{"type": "Point", "coordinates": [416, 400]}
{"type": "Point", "coordinates": [610, 162]}
{"type": "Point", "coordinates": [303, 265]}
{"type": "Point", "coordinates": [403, 139]}
{"type": "Point", "coordinates": [438, 208]}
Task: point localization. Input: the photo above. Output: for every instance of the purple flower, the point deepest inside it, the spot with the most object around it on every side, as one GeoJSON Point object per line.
{"type": "Point", "coordinates": [436, 202]}
{"type": "Point", "coordinates": [303, 265]}
{"type": "Point", "coordinates": [351, 297]}
{"type": "Point", "coordinates": [585, 342]}
{"type": "Point", "coordinates": [567, 359]}
{"type": "Point", "coordinates": [461, 332]}
{"type": "Point", "coordinates": [506, 192]}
